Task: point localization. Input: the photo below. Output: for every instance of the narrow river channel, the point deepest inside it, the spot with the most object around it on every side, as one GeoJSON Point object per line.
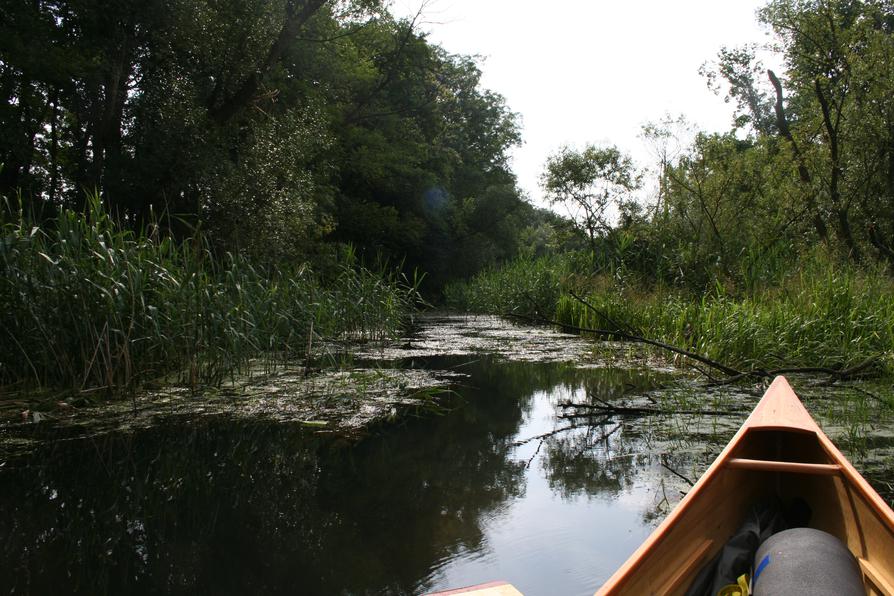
{"type": "Point", "coordinates": [500, 484]}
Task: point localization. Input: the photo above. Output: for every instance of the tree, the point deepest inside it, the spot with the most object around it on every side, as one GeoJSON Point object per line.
{"type": "Point", "coordinates": [422, 154]}
{"type": "Point", "coordinates": [276, 126]}
{"type": "Point", "coordinates": [728, 205]}
{"type": "Point", "coordinates": [113, 97]}
{"type": "Point", "coordinates": [743, 74]}
{"type": "Point", "coordinates": [591, 184]}
{"type": "Point", "coordinates": [835, 73]}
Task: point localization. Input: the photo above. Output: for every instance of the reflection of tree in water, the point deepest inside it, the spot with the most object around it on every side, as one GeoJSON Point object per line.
{"type": "Point", "coordinates": [158, 511]}
{"type": "Point", "coordinates": [508, 380]}
{"type": "Point", "coordinates": [609, 453]}
{"type": "Point", "coordinates": [593, 460]}
{"type": "Point", "coordinates": [605, 455]}
{"type": "Point", "coordinates": [424, 494]}
{"type": "Point", "coordinates": [235, 508]}
{"type": "Point", "coordinates": [224, 506]}
{"type": "Point", "coordinates": [614, 383]}
{"type": "Point", "coordinates": [608, 458]}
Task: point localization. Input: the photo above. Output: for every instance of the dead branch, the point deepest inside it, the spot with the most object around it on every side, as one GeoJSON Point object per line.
{"type": "Point", "coordinates": [533, 455]}
{"type": "Point", "coordinates": [869, 394]}
{"type": "Point", "coordinates": [733, 375]}
{"type": "Point", "coordinates": [842, 374]}
{"type": "Point", "coordinates": [578, 415]}
{"type": "Point", "coordinates": [803, 172]}
{"type": "Point", "coordinates": [605, 408]}
{"type": "Point", "coordinates": [636, 339]}
{"type": "Point", "coordinates": [600, 313]}
{"type": "Point", "coordinates": [674, 472]}
{"type": "Point", "coordinates": [556, 432]}
{"type": "Point", "coordinates": [729, 380]}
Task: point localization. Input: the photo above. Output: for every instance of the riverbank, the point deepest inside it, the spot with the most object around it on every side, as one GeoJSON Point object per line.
{"type": "Point", "coordinates": [343, 388]}
{"type": "Point", "coordinates": [822, 315]}
{"type": "Point", "coordinates": [89, 309]}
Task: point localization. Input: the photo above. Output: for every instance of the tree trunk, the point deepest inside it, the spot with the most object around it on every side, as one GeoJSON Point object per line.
{"type": "Point", "coordinates": [115, 97]}
{"type": "Point", "coordinates": [31, 111]}
{"type": "Point", "coordinates": [54, 148]}
{"type": "Point", "coordinates": [295, 18]}
{"type": "Point", "coordinates": [843, 226]}
{"type": "Point", "coordinates": [876, 239]}
{"type": "Point", "coordinates": [803, 173]}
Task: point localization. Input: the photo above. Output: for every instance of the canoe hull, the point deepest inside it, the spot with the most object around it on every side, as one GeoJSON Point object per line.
{"type": "Point", "coordinates": [780, 451]}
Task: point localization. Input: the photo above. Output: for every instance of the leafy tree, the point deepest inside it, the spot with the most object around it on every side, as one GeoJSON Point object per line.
{"type": "Point", "coordinates": [422, 154]}
{"type": "Point", "coordinates": [744, 75]}
{"type": "Point", "coordinates": [725, 213]}
{"type": "Point", "coordinates": [277, 126]}
{"type": "Point", "coordinates": [815, 165]}
{"type": "Point", "coordinates": [834, 52]}
{"type": "Point", "coordinates": [592, 184]}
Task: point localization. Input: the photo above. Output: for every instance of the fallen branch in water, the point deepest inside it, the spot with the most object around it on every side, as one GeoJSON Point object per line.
{"type": "Point", "coordinates": [636, 339]}
{"type": "Point", "coordinates": [533, 455]}
{"type": "Point", "coordinates": [843, 373]}
{"type": "Point", "coordinates": [604, 408]}
{"type": "Point", "coordinates": [836, 375]}
{"type": "Point", "coordinates": [729, 380]}
{"type": "Point", "coordinates": [673, 471]}
{"type": "Point", "coordinates": [869, 394]}
{"type": "Point", "coordinates": [602, 315]}
{"type": "Point", "coordinates": [558, 431]}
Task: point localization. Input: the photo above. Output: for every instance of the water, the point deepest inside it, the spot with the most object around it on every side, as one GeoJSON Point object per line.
{"type": "Point", "coordinates": [493, 489]}
{"type": "Point", "coordinates": [568, 526]}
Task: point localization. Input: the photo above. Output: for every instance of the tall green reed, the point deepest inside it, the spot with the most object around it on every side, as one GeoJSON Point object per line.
{"type": "Point", "coordinates": [86, 304]}
{"type": "Point", "coordinates": [820, 314]}
{"type": "Point", "coordinates": [527, 285]}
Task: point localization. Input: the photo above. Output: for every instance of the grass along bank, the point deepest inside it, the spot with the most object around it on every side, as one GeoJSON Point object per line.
{"type": "Point", "coordinates": [86, 305]}
{"type": "Point", "coordinates": [822, 315]}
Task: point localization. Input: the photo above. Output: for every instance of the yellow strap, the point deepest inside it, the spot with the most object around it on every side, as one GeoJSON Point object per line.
{"type": "Point", "coordinates": [743, 583]}
{"type": "Point", "coordinates": [740, 588]}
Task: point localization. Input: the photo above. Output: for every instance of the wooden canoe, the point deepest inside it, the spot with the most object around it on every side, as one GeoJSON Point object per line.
{"type": "Point", "coordinates": [781, 451]}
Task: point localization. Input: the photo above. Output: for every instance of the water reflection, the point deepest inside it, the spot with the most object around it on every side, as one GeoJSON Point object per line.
{"type": "Point", "coordinates": [501, 487]}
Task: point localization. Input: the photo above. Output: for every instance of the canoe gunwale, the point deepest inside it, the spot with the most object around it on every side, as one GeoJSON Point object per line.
{"type": "Point", "coordinates": [779, 410]}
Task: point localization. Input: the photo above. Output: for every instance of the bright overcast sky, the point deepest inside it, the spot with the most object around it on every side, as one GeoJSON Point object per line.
{"type": "Point", "coordinates": [593, 71]}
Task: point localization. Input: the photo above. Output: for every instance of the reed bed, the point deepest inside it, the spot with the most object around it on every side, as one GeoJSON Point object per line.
{"type": "Point", "coordinates": [86, 304]}
{"type": "Point", "coordinates": [526, 285]}
{"type": "Point", "coordinates": [821, 315]}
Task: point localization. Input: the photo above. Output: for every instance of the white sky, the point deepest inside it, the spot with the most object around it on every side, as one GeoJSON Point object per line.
{"type": "Point", "coordinates": [593, 71]}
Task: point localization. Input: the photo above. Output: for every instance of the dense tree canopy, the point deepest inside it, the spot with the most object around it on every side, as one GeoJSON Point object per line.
{"type": "Point", "coordinates": [282, 127]}
{"type": "Point", "coordinates": [275, 125]}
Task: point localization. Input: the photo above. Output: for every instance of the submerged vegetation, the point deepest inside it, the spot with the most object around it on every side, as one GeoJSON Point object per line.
{"type": "Point", "coordinates": [86, 305]}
